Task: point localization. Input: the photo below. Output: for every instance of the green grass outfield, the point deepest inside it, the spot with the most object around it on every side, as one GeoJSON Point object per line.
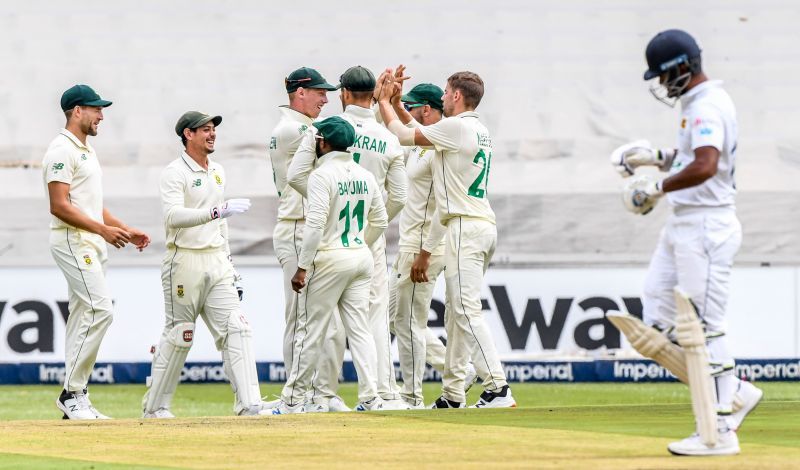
{"type": "Point", "coordinates": [572, 426]}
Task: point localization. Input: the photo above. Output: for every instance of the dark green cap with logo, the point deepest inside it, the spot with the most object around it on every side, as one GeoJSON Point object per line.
{"type": "Point", "coordinates": [306, 78]}
{"type": "Point", "coordinates": [357, 78]}
{"type": "Point", "coordinates": [82, 95]}
{"type": "Point", "coordinates": [425, 93]}
{"type": "Point", "coordinates": [195, 119]}
{"type": "Point", "coordinates": [336, 131]}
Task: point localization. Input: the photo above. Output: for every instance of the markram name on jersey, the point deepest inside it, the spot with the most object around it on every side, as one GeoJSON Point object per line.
{"type": "Point", "coordinates": [461, 166]}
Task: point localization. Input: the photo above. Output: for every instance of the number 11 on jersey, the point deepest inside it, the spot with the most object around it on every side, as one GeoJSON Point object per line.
{"type": "Point", "coordinates": [358, 215]}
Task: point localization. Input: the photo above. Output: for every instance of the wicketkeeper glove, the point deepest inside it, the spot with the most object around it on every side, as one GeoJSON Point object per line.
{"type": "Point", "coordinates": [628, 157]}
{"type": "Point", "coordinates": [230, 207]}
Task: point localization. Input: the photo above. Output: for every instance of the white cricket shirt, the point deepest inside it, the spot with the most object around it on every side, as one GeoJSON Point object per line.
{"type": "Point", "coordinates": [69, 161]}
{"type": "Point", "coordinates": [418, 215]}
{"type": "Point", "coordinates": [286, 137]}
{"type": "Point", "coordinates": [461, 167]}
{"type": "Point", "coordinates": [708, 119]}
{"type": "Point", "coordinates": [343, 199]}
{"type": "Point", "coordinates": [188, 192]}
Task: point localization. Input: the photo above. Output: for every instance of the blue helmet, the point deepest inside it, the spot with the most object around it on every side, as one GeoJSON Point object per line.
{"type": "Point", "coordinates": [665, 54]}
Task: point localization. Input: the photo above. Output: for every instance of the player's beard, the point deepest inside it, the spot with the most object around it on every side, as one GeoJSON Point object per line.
{"type": "Point", "coordinates": [89, 129]}
{"type": "Point", "coordinates": [317, 148]}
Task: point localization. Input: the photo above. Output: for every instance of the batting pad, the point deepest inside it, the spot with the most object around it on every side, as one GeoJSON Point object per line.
{"type": "Point", "coordinates": [691, 337]}
{"type": "Point", "coordinates": [167, 365]}
{"type": "Point", "coordinates": [240, 364]}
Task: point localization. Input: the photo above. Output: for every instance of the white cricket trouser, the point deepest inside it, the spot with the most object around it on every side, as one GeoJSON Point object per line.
{"type": "Point", "coordinates": [409, 306]}
{"type": "Point", "coordinates": [326, 380]}
{"type": "Point", "coordinates": [379, 322]}
{"type": "Point", "coordinates": [336, 278]}
{"type": "Point", "coordinates": [287, 239]}
{"type": "Point", "coordinates": [200, 283]}
{"type": "Point", "coordinates": [82, 256]}
{"type": "Point", "coordinates": [695, 251]}
{"type": "Point", "coordinates": [470, 246]}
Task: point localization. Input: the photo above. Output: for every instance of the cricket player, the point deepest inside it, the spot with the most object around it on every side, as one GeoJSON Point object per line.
{"type": "Point", "coordinates": [461, 173]}
{"type": "Point", "coordinates": [197, 274]}
{"type": "Point", "coordinates": [409, 297]}
{"type": "Point", "coordinates": [79, 230]}
{"type": "Point", "coordinates": [345, 214]}
{"type": "Point", "coordinates": [696, 248]}
{"type": "Point", "coordinates": [307, 90]}
{"type": "Point", "coordinates": [378, 151]}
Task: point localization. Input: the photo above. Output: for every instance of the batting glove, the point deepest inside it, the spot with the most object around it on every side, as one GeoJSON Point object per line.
{"type": "Point", "coordinates": [628, 157]}
{"type": "Point", "coordinates": [230, 207]}
{"type": "Point", "coordinates": [641, 193]}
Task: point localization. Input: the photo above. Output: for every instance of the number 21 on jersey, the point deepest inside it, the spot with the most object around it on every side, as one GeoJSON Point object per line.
{"type": "Point", "coordinates": [479, 186]}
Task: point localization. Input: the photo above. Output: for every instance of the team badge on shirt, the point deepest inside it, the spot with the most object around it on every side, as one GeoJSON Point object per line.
{"type": "Point", "coordinates": [87, 259]}
{"type": "Point", "coordinates": [83, 156]}
{"type": "Point", "coordinates": [180, 290]}
{"type": "Point", "coordinates": [683, 123]}
{"type": "Point", "coordinates": [218, 179]}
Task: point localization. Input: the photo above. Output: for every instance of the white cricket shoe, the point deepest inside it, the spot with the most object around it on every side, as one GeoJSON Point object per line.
{"type": "Point", "coordinates": [499, 399]}
{"type": "Point", "coordinates": [376, 404]}
{"type": "Point", "coordinates": [284, 408]}
{"type": "Point", "coordinates": [471, 378]}
{"type": "Point", "coordinates": [443, 402]}
{"type": "Point", "coordinates": [337, 404]}
{"type": "Point", "coordinates": [75, 405]}
{"type": "Point", "coordinates": [747, 397]}
{"type": "Point", "coordinates": [727, 444]}
{"type": "Point", "coordinates": [316, 408]}
{"type": "Point", "coordinates": [395, 405]}
{"type": "Point", "coordinates": [97, 414]}
{"type": "Point", "coordinates": [259, 409]}
{"type": "Point", "coordinates": [270, 404]}
{"type": "Point", "coordinates": [161, 413]}
{"type": "Point", "coordinates": [416, 406]}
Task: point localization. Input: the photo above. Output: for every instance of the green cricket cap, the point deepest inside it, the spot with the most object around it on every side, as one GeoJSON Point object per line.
{"type": "Point", "coordinates": [357, 78]}
{"type": "Point", "coordinates": [425, 93]}
{"type": "Point", "coordinates": [82, 95]}
{"type": "Point", "coordinates": [195, 119]}
{"type": "Point", "coordinates": [336, 131]}
{"type": "Point", "coordinates": [306, 78]}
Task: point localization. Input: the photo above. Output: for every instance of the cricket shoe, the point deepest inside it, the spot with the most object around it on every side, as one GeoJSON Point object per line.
{"type": "Point", "coordinates": [316, 408]}
{"type": "Point", "coordinates": [376, 404]}
{"type": "Point", "coordinates": [747, 398]}
{"type": "Point", "coordinates": [727, 444]}
{"type": "Point", "coordinates": [499, 399]}
{"type": "Point", "coordinates": [337, 404]}
{"type": "Point", "coordinates": [75, 405]}
{"type": "Point", "coordinates": [97, 414]}
{"type": "Point", "coordinates": [415, 404]}
{"type": "Point", "coordinates": [471, 378]}
{"type": "Point", "coordinates": [259, 409]}
{"type": "Point", "coordinates": [443, 402]}
{"type": "Point", "coordinates": [395, 405]}
{"type": "Point", "coordinates": [284, 408]}
{"type": "Point", "coordinates": [161, 413]}
{"type": "Point", "coordinates": [270, 404]}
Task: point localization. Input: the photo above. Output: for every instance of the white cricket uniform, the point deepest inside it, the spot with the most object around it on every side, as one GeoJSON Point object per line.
{"type": "Point", "coordinates": [344, 202]}
{"type": "Point", "coordinates": [377, 150]}
{"type": "Point", "coordinates": [702, 235]}
{"type": "Point", "coordinates": [287, 237]}
{"type": "Point", "coordinates": [80, 255]}
{"type": "Point", "coordinates": [409, 302]}
{"type": "Point", "coordinates": [198, 278]}
{"type": "Point", "coordinates": [461, 174]}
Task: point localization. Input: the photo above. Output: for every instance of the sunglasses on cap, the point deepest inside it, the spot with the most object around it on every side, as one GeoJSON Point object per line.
{"type": "Point", "coordinates": [287, 81]}
{"type": "Point", "coordinates": [410, 106]}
